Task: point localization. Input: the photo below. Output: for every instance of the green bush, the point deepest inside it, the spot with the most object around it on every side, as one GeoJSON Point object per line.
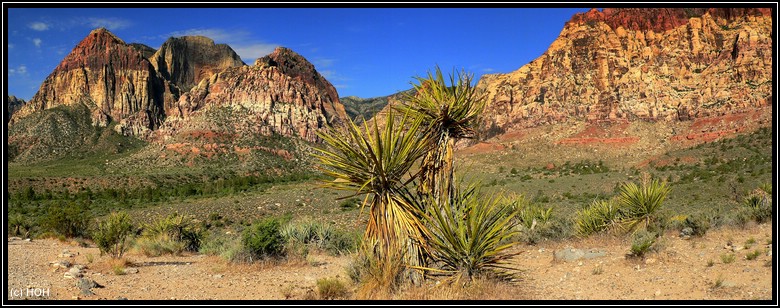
{"type": "Point", "coordinates": [69, 220]}
{"type": "Point", "coordinates": [642, 242]}
{"type": "Point", "coordinates": [698, 223]}
{"type": "Point", "coordinates": [263, 239]}
{"type": "Point", "coordinates": [112, 234]}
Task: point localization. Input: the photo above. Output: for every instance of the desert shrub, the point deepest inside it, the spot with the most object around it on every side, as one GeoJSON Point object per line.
{"type": "Point", "coordinates": [753, 255]}
{"type": "Point", "coordinates": [331, 288]}
{"type": "Point", "coordinates": [227, 246]}
{"type": "Point", "coordinates": [376, 278]}
{"type": "Point", "coordinates": [640, 205]}
{"type": "Point", "coordinates": [698, 223]}
{"type": "Point", "coordinates": [263, 239]}
{"type": "Point", "coordinates": [158, 245]}
{"type": "Point", "coordinates": [300, 236]}
{"type": "Point", "coordinates": [642, 242]}
{"type": "Point", "coordinates": [69, 220]}
{"type": "Point", "coordinates": [112, 235]}
{"type": "Point", "coordinates": [174, 231]}
{"type": "Point", "coordinates": [600, 215]}
{"type": "Point", "coordinates": [349, 204]}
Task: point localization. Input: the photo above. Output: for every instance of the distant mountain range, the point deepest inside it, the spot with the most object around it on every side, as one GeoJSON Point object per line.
{"type": "Point", "coordinates": [610, 66]}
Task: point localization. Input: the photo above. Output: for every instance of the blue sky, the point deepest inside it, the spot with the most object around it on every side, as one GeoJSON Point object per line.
{"type": "Point", "coordinates": [362, 52]}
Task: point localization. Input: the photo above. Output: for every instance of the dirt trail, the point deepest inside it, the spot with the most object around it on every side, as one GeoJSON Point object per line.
{"type": "Point", "coordinates": [679, 270]}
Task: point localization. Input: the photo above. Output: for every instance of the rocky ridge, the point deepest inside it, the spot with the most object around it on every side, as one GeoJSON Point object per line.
{"type": "Point", "coordinates": [652, 64]}
{"type": "Point", "coordinates": [281, 93]}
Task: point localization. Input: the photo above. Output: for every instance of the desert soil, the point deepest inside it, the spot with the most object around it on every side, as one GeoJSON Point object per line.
{"type": "Point", "coordinates": [680, 269]}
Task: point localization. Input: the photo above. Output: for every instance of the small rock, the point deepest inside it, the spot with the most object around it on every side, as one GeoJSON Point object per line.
{"type": "Point", "coordinates": [131, 270]}
{"type": "Point", "coordinates": [66, 254]}
{"type": "Point", "coordinates": [28, 240]}
{"type": "Point", "coordinates": [121, 298]}
{"type": "Point", "coordinates": [217, 276]}
{"type": "Point", "coordinates": [650, 261]}
{"type": "Point", "coordinates": [75, 297]}
{"type": "Point", "coordinates": [686, 232]}
{"type": "Point", "coordinates": [87, 292]}
{"type": "Point", "coordinates": [70, 275]}
{"type": "Point", "coordinates": [85, 283]}
{"type": "Point", "coordinates": [13, 238]}
{"type": "Point", "coordinates": [658, 293]}
{"type": "Point", "coordinates": [60, 263]}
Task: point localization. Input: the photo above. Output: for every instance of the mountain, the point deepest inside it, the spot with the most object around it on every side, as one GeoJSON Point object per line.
{"type": "Point", "coordinates": [187, 60]}
{"type": "Point", "coordinates": [12, 105]}
{"type": "Point", "coordinates": [655, 64]}
{"type": "Point", "coordinates": [112, 78]}
{"type": "Point", "coordinates": [106, 87]}
{"type": "Point", "coordinates": [359, 109]}
{"type": "Point", "coordinates": [281, 94]}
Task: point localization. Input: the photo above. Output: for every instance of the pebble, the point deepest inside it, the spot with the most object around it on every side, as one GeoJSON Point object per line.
{"type": "Point", "coordinates": [131, 270]}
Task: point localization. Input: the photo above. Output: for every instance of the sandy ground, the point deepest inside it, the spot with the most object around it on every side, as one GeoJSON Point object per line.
{"type": "Point", "coordinates": [679, 270]}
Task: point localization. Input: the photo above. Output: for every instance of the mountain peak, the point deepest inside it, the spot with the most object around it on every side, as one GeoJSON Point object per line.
{"type": "Point", "coordinates": [102, 35]}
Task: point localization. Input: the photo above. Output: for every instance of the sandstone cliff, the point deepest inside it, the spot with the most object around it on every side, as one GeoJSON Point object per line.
{"type": "Point", "coordinates": [187, 60]}
{"type": "Point", "coordinates": [113, 79]}
{"type": "Point", "coordinates": [651, 64]}
{"type": "Point", "coordinates": [281, 93]}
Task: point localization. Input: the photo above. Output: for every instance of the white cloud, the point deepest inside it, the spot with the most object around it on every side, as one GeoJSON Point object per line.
{"type": "Point", "coordinates": [20, 70]}
{"type": "Point", "coordinates": [322, 62]}
{"type": "Point", "coordinates": [108, 23]}
{"type": "Point", "coordinates": [37, 42]}
{"type": "Point", "coordinates": [488, 70]}
{"type": "Point", "coordinates": [243, 44]}
{"type": "Point", "coordinates": [39, 26]}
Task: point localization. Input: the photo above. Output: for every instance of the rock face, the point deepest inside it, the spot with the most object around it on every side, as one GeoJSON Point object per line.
{"type": "Point", "coordinates": [146, 51]}
{"type": "Point", "coordinates": [12, 106]}
{"type": "Point", "coordinates": [187, 60]}
{"type": "Point", "coordinates": [650, 64]}
{"type": "Point", "coordinates": [112, 78]}
{"type": "Point", "coordinates": [281, 93]}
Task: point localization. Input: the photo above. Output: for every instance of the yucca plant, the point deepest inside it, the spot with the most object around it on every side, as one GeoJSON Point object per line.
{"type": "Point", "coordinates": [376, 163]}
{"type": "Point", "coordinates": [449, 111]}
{"type": "Point", "coordinates": [640, 205]}
{"type": "Point", "coordinates": [600, 215]}
{"type": "Point", "coordinates": [759, 205]}
{"type": "Point", "coordinates": [469, 235]}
